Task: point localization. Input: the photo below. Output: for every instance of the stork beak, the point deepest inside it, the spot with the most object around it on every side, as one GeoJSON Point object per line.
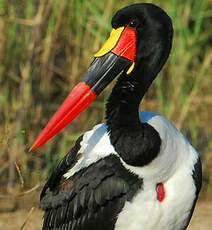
{"type": "Point", "coordinates": [116, 55]}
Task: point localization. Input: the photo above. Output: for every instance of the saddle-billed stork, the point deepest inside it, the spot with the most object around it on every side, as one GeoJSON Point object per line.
{"type": "Point", "coordinates": [135, 171]}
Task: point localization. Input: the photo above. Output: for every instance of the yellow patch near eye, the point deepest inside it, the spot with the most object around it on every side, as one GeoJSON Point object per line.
{"type": "Point", "coordinates": [131, 68]}
{"type": "Point", "coordinates": [111, 42]}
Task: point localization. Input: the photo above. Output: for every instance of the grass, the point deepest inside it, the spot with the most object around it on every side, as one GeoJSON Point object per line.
{"type": "Point", "coordinates": [46, 46]}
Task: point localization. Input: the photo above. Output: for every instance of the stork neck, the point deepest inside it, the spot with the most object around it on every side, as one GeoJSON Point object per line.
{"type": "Point", "coordinates": [137, 143]}
{"type": "Point", "coordinates": [123, 103]}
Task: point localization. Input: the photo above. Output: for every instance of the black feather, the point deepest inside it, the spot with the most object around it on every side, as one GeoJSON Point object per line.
{"type": "Point", "coordinates": [97, 200]}
{"type": "Point", "coordinates": [66, 163]}
{"type": "Point", "coordinates": [197, 177]}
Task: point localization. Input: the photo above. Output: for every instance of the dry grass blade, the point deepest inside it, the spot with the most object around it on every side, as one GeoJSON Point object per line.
{"type": "Point", "coordinates": [206, 64]}
{"type": "Point", "coordinates": [27, 218]}
{"type": "Point", "coordinates": [20, 175]}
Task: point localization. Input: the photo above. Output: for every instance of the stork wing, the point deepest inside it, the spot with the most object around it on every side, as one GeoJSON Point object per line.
{"type": "Point", "coordinates": [91, 198]}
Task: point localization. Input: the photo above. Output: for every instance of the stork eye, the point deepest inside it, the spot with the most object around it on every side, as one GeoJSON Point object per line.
{"type": "Point", "coordinates": [133, 24]}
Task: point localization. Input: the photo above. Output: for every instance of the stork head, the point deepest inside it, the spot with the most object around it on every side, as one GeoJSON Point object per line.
{"type": "Point", "coordinates": [139, 45]}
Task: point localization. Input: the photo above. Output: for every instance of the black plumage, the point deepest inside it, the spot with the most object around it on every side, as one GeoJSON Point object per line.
{"type": "Point", "coordinates": [92, 198]}
{"type": "Point", "coordinates": [66, 163]}
{"type": "Point", "coordinates": [127, 133]}
{"type": "Point", "coordinates": [197, 177]}
{"type": "Point", "coordinates": [154, 39]}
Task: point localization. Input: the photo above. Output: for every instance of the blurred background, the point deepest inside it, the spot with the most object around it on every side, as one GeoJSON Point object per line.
{"type": "Point", "coordinates": [46, 46]}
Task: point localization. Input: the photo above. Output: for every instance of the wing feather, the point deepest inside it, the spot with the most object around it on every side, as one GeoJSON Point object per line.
{"type": "Point", "coordinates": [93, 197]}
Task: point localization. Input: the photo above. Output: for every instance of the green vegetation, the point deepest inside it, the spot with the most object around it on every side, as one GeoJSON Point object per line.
{"type": "Point", "coordinates": [46, 46]}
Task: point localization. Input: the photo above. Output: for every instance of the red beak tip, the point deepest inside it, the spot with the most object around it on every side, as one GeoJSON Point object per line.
{"type": "Point", "coordinates": [31, 149]}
